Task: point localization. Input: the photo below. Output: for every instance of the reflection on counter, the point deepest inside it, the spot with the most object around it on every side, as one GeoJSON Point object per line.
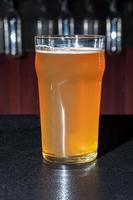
{"type": "Point", "coordinates": [64, 181]}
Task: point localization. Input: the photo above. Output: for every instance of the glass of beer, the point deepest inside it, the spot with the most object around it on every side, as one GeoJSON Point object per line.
{"type": "Point", "coordinates": [69, 71]}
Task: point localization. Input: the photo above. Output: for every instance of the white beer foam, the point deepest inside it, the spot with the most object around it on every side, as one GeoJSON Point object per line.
{"type": "Point", "coordinates": [72, 50]}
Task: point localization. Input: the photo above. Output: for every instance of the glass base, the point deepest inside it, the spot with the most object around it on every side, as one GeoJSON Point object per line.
{"type": "Point", "coordinates": [80, 159]}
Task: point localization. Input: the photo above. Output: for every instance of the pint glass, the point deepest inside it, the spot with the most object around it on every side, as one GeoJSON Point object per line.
{"type": "Point", "coordinates": [69, 71]}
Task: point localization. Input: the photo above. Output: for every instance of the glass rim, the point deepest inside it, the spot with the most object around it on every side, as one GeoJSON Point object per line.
{"type": "Point", "coordinates": [76, 36]}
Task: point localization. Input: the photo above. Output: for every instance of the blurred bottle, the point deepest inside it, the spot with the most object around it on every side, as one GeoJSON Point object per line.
{"type": "Point", "coordinates": [1, 35]}
{"type": "Point", "coordinates": [87, 24]}
{"type": "Point", "coordinates": [1, 27]}
{"type": "Point", "coordinates": [44, 25]}
{"type": "Point", "coordinates": [113, 29]}
{"type": "Point", "coordinates": [65, 21]}
{"type": "Point", "coordinates": [128, 23]}
{"type": "Point", "coordinates": [12, 31]}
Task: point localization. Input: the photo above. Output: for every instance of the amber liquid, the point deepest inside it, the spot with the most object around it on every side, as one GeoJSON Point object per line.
{"type": "Point", "coordinates": [69, 92]}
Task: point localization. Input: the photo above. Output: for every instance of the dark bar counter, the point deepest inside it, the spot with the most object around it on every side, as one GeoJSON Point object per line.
{"type": "Point", "coordinates": [25, 176]}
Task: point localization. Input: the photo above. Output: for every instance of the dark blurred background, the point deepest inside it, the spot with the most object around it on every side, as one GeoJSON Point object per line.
{"type": "Point", "coordinates": [21, 20]}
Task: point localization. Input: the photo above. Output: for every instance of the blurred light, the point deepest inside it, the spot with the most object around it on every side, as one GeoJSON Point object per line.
{"type": "Point", "coordinates": [113, 35]}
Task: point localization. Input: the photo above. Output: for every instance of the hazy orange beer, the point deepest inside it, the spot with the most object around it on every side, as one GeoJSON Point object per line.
{"type": "Point", "coordinates": [69, 71]}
